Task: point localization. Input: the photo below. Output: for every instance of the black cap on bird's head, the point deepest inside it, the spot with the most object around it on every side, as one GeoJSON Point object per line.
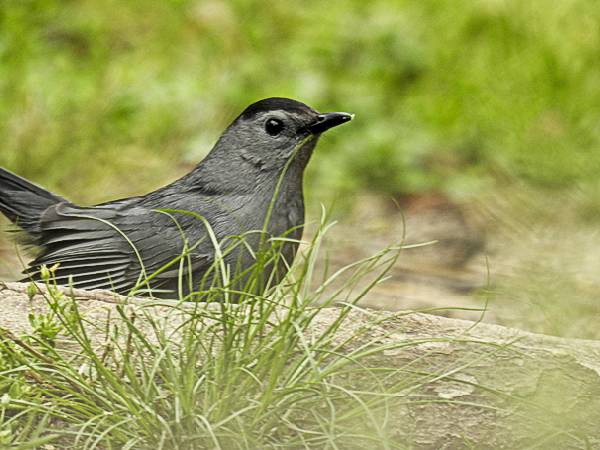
{"type": "Point", "coordinates": [274, 104]}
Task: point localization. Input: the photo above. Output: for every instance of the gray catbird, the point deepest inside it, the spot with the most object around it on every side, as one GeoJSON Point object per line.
{"type": "Point", "coordinates": [250, 181]}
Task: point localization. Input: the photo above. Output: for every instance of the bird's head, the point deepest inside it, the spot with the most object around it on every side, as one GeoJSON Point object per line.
{"type": "Point", "coordinates": [270, 132]}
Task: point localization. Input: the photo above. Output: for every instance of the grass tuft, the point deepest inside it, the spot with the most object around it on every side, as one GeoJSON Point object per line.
{"type": "Point", "coordinates": [251, 373]}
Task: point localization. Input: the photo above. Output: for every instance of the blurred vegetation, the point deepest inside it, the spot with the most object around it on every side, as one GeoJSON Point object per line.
{"type": "Point", "coordinates": [495, 99]}
{"type": "Point", "coordinates": [105, 98]}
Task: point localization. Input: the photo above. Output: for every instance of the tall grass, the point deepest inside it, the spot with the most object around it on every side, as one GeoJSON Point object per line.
{"type": "Point", "coordinates": [250, 366]}
{"type": "Point", "coordinates": [180, 374]}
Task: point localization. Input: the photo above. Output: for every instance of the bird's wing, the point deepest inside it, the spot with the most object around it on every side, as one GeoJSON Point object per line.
{"type": "Point", "coordinates": [110, 246]}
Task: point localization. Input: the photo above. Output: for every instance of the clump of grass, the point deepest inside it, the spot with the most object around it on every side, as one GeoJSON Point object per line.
{"type": "Point", "coordinates": [256, 369]}
{"type": "Point", "coordinates": [253, 373]}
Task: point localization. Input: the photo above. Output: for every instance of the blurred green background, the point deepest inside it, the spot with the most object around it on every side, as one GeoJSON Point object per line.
{"type": "Point", "coordinates": [99, 98]}
{"type": "Point", "coordinates": [471, 100]}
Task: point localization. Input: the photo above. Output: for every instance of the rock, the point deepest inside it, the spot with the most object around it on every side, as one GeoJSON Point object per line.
{"type": "Point", "coordinates": [455, 383]}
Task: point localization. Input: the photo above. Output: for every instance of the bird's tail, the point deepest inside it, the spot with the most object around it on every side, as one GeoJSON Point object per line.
{"type": "Point", "coordinates": [24, 202]}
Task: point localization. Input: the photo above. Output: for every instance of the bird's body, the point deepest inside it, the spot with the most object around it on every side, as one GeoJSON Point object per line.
{"type": "Point", "coordinates": [249, 185]}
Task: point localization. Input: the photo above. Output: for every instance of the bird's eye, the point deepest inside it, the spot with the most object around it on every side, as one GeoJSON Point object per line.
{"type": "Point", "coordinates": [273, 126]}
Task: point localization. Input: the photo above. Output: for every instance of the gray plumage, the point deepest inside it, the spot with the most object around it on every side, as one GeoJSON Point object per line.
{"type": "Point", "coordinates": [265, 150]}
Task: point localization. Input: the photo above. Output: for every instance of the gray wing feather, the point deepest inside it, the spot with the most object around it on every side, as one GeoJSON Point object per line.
{"type": "Point", "coordinates": [93, 253]}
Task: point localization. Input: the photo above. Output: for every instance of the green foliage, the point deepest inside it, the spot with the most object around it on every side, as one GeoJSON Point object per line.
{"type": "Point", "coordinates": [446, 93]}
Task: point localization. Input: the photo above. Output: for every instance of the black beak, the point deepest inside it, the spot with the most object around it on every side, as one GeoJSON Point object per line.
{"type": "Point", "coordinates": [329, 120]}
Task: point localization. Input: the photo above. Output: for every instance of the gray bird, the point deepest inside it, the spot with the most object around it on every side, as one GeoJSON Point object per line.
{"type": "Point", "coordinates": [246, 190]}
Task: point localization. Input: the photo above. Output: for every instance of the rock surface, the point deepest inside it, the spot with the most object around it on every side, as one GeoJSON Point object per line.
{"type": "Point", "coordinates": [468, 384]}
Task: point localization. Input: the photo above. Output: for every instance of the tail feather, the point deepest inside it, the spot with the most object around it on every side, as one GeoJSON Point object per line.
{"type": "Point", "coordinates": [24, 202]}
